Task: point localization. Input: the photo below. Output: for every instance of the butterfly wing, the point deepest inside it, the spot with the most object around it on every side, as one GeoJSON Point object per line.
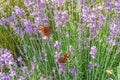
{"type": "Point", "coordinates": [61, 60]}
{"type": "Point", "coordinates": [66, 56]}
{"type": "Point", "coordinates": [46, 30]}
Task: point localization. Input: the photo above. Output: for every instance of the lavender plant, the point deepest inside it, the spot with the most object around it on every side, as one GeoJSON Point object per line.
{"type": "Point", "coordinates": [86, 29]}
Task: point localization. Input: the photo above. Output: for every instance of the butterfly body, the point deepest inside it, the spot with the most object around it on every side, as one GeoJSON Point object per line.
{"type": "Point", "coordinates": [61, 60]}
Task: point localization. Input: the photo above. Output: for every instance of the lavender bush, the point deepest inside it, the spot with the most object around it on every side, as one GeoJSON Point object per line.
{"type": "Point", "coordinates": [86, 29]}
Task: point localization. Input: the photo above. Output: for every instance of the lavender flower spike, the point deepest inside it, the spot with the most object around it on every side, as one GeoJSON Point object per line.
{"type": "Point", "coordinates": [19, 11]}
{"type": "Point", "coordinates": [93, 51]}
{"type": "Point", "coordinates": [42, 78]}
{"type": "Point", "coordinates": [73, 71]}
{"type": "Point", "coordinates": [57, 45]}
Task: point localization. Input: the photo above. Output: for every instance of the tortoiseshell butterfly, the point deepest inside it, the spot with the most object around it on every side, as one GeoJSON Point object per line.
{"type": "Point", "coordinates": [46, 31]}
{"type": "Point", "coordinates": [64, 58]}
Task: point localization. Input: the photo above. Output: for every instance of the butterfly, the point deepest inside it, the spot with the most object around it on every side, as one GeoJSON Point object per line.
{"type": "Point", "coordinates": [64, 58]}
{"type": "Point", "coordinates": [46, 31]}
{"type": "Point", "coordinates": [109, 72]}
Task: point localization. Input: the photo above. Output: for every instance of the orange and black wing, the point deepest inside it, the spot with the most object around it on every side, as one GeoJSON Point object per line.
{"type": "Point", "coordinates": [61, 60]}
{"type": "Point", "coordinates": [46, 30]}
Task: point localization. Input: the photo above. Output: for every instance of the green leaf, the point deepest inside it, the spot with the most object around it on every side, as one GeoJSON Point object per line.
{"type": "Point", "coordinates": [118, 71]}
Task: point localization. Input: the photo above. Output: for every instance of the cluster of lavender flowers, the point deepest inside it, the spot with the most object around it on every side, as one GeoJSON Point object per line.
{"type": "Point", "coordinates": [62, 70]}
{"type": "Point", "coordinates": [14, 67]}
{"type": "Point", "coordinates": [6, 59]}
{"type": "Point", "coordinates": [110, 5]}
{"type": "Point", "coordinates": [58, 3]}
{"type": "Point", "coordinates": [6, 62]}
{"type": "Point", "coordinates": [35, 9]}
{"type": "Point", "coordinates": [94, 19]}
{"type": "Point", "coordinates": [93, 53]}
{"type": "Point", "coordinates": [21, 24]}
{"type": "Point", "coordinates": [114, 31]}
{"type": "Point", "coordinates": [61, 18]}
{"type": "Point", "coordinates": [62, 67]}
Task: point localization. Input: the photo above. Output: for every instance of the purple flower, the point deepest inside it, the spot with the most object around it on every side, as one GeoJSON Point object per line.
{"type": "Point", "coordinates": [92, 65]}
{"type": "Point", "coordinates": [80, 31]}
{"type": "Point", "coordinates": [39, 6]}
{"type": "Point", "coordinates": [19, 31]}
{"type": "Point", "coordinates": [49, 40]}
{"type": "Point", "coordinates": [40, 18]}
{"type": "Point", "coordinates": [97, 9]}
{"type": "Point", "coordinates": [114, 34]}
{"type": "Point", "coordinates": [42, 78]}
{"type": "Point", "coordinates": [19, 11]}
{"type": "Point", "coordinates": [96, 65]}
{"type": "Point", "coordinates": [6, 59]}
{"type": "Point", "coordinates": [113, 30]}
{"type": "Point", "coordinates": [57, 45]}
{"type": "Point", "coordinates": [32, 65]}
{"type": "Point", "coordinates": [71, 49]}
{"type": "Point", "coordinates": [21, 78]}
{"type": "Point", "coordinates": [9, 19]}
{"type": "Point", "coordinates": [32, 68]}
{"type": "Point", "coordinates": [84, 18]}
{"type": "Point", "coordinates": [20, 59]}
{"type": "Point", "coordinates": [25, 49]}
{"type": "Point", "coordinates": [58, 3]}
{"type": "Point", "coordinates": [6, 78]}
{"type": "Point", "coordinates": [117, 6]}
{"type": "Point", "coordinates": [111, 41]}
{"type": "Point", "coordinates": [28, 26]}
{"type": "Point", "coordinates": [61, 18]}
{"type": "Point", "coordinates": [37, 21]}
{"type": "Point", "coordinates": [86, 10]}
{"type": "Point", "coordinates": [41, 57]}
{"type": "Point", "coordinates": [73, 71]}
{"type": "Point", "coordinates": [93, 51]}
{"type": "Point", "coordinates": [93, 17]}
{"type": "Point", "coordinates": [79, 43]}
{"type": "Point", "coordinates": [101, 20]}
{"type": "Point", "coordinates": [1, 51]}
{"type": "Point", "coordinates": [13, 73]}
{"type": "Point", "coordinates": [62, 68]}
{"type": "Point", "coordinates": [109, 6]}
{"type": "Point", "coordinates": [45, 20]}
{"type": "Point", "coordinates": [92, 27]}
{"type": "Point", "coordinates": [24, 69]}
{"type": "Point", "coordinates": [2, 75]}
{"type": "Point", "coordinates": [33, 14]}
{"type": "Point", "coordinates": [57, 57]}
{"type": "Point", "coordinates": [110, 79]}
{"type": "Point", "coordinates": [87, 42]}
{"type": "Point", "coordinates": [27, 3]}
{"type": "Point", "coordinates": [94, 0]}
{"type": "Point", "coordinates": [43, 51]}
{"type": "Point", "coordinates": [4, 21]}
